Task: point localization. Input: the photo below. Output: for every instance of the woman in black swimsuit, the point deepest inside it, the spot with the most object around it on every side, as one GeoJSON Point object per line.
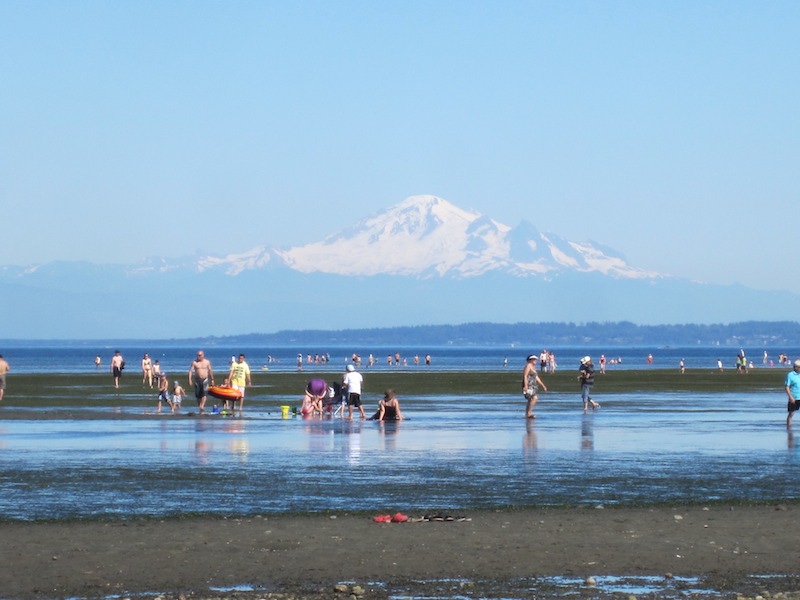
{"type": "Point", "coordinates": [389, 408]}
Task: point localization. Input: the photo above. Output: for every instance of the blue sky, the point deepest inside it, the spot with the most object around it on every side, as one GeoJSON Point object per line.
{"type": "Point", "coordinates": [666, 130]}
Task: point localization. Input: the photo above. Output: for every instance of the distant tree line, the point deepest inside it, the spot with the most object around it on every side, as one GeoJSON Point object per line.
{"type": "Point", "coordinates": [752, 334]}
{"type": "Point", "coordinates": [621, 333]}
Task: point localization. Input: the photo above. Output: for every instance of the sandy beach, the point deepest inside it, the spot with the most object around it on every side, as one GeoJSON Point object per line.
{"type": "Point", "coordinates": [500, 552]}
{"type": "Point", "coordinates": [725, 548]}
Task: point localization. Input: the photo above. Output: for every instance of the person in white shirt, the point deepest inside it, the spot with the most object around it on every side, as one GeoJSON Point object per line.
{"type": "Point", "coordinates": [352, 381]}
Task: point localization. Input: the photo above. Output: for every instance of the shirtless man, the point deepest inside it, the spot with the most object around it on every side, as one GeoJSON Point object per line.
{"type": "Point", "coordinates": [117, 364]}
{"type": "Point", "coordinates": [201, 375]}
{"type": "Point", "coordinates": [4, 369]}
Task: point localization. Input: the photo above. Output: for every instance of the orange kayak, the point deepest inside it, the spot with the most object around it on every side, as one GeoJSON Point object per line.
{"type": "Point", "coordinates": [224, 393]}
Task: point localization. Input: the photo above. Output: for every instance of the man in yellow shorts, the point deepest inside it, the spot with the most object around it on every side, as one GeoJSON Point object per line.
{"type": "Point", "coordinates": [239, 377]}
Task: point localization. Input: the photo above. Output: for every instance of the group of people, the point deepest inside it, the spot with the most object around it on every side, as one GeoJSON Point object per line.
{"type": "Point", "coordinates": [391, 359]}
{"type": "Point", "coordinates": [531, 382]}
{"type": "Point", "coordinates": [319, 398]}
{"type": "Point", "coordinates": [547, 361]}
{"type": "Point", "coordinates": [200, 379]}
{"type": "Point", "coordinates": [151, 371]}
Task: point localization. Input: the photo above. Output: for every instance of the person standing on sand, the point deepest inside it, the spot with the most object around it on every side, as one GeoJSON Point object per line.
{"type": "Point", "coordinates": [147, 370]}
{"type": "Point", "coordinates": [239, 377]}
{"type": "Point", "coordinates": [586, 376]}
{"type": "Point", "coordinates": [4, 369]}
{"type": "Point", "coordinates": [201, 375]}
{"type": "Point", "coordinates": [792, 383]}
{"type": "Point", "coordinates": [163, 392]}
{"type": "Point", "coordinates": [156, 371]}
{"type": "Point", "coordinates": [177, 396]}
{"type": "Point", "coordinates": [530, 385]}
{"type": "Point", "coordinates": [352, 381]}
{"type": "Point", "coordinates": [117, 364]}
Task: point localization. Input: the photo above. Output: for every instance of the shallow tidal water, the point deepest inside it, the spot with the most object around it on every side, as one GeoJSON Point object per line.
{"type": "Point", "coordinates": [452, 454]}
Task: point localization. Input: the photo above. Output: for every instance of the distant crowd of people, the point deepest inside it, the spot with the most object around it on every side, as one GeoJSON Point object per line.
{"type": "Point", "coordinates": [395, 359]}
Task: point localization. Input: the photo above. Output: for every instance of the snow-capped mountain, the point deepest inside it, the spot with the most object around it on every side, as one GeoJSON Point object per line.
{"type": "Point", "coordinates": [421, 262]}
{"type": "Point", "coordinates": [427, 236]}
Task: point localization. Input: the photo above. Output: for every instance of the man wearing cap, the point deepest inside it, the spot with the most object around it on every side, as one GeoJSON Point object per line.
{"type": "Point", "coordinates": [352, 381]}
{"type": "Point", "coordinates": [586, 376]}
{"type": "Point", "coordinates": [530, 385]}
{"type": "Point", "coordinates": [793, 391]}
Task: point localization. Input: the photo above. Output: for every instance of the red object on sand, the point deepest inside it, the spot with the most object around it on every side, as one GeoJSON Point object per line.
{"type": "Point", "coordinates": [399, 518]}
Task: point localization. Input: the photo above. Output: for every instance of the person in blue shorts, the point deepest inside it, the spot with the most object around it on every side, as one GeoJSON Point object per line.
{"type": "Point", "coordinates": [163, 393]}
{"type": "Point", "coordinates": [792, 383]}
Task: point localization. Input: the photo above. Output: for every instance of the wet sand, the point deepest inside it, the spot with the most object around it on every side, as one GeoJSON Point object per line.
{"type": "Point", "coordinates": [494, 553]}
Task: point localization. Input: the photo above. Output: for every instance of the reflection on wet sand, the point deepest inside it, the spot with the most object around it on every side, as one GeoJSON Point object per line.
{"type": "Point", "coordinates": [587, 432]}
{"type": "Point", "coordinates": [529, 440]}
{"type": "Point", "coordinates": [453, 451]}
{"type": "Point", "coordinates": [389, 430]}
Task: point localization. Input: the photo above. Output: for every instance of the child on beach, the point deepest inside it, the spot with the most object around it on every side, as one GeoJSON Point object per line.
{"type": "Point", "coordinates": [163, 394]}
{"type": "Point", "coordinates": [177, 396]}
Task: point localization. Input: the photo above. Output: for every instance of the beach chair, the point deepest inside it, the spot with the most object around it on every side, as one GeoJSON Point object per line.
{"type": "Point", "coordinates": [335, 403]}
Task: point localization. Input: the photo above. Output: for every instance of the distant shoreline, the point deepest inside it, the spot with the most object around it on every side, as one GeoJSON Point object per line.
{"type": "Point", "coordinates": [755, 335]}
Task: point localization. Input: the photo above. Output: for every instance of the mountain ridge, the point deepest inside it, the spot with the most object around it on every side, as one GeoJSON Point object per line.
{"type": "Point", "coordinates": [450, 266]}
{"type": "Point", "coordinates": [427, 236]}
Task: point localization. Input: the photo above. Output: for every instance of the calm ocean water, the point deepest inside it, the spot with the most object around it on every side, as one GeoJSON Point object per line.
{"type": "Point", "coordinates": [453, 454]}
{"type": "Point", "coordinates": [79, 358]}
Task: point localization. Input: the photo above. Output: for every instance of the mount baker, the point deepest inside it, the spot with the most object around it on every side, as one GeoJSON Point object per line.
{"type": "Point", "coordinates": [427, 236]}
{"type": "Point", "coordinates": [422, 262]}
